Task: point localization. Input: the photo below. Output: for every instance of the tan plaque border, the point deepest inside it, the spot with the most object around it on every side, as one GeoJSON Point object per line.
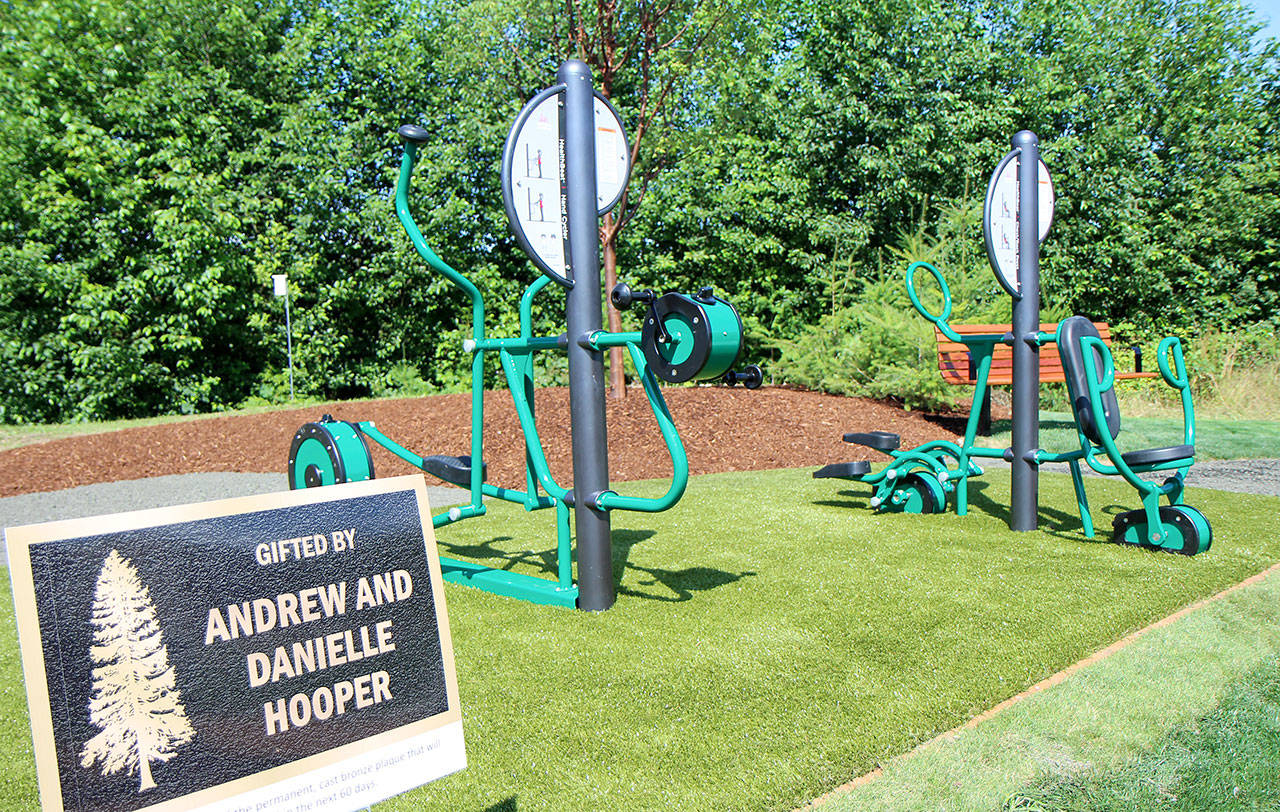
{"type": "Point", "coordinates": [20, 539]}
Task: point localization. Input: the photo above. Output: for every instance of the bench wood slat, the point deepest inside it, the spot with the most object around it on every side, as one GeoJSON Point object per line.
{"type": "Point", "coordinates": [954, 358]}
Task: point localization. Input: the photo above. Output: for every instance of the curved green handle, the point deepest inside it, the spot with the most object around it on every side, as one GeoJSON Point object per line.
{"type": "Point", "coordinates": [1108, 365]}
{"type": "Point", "coordinates": [940, 320]}
{"type": "Point", "coordinates": [1177, 377]}
{"type": "Point", "coordinates": [610, 500]}
{"type": "Point", "coordinates": [411, 228]}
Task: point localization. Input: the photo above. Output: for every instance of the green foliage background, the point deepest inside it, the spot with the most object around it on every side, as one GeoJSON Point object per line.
{"type": "Point", "coordinates": [159, 161]}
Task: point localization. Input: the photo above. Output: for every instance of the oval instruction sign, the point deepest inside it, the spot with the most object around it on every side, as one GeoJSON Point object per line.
{"type": "Point", "coordinates": [533, 177]}
{"type": "Point", "coordinates": [1000, 219]}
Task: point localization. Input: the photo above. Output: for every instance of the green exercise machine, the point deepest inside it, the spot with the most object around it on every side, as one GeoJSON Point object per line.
{"type": "Point", "coordinates": [566, 162]}
{"type": "Point", "coordinates": [921, 480]}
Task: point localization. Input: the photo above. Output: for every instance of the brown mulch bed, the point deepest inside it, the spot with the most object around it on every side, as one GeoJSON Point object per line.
{"type": "Point", "coordinates": [723, 428]}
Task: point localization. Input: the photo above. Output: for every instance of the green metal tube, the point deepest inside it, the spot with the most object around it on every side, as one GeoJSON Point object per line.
{"type": "Point", "coordinates": [457, 514]}
{"type": "Point", "coordinates": [537, 458]}
{"type": "Point", "coordinates": [1096, 387]}
{"type": "Point", "coordinates": [1082, 499]}
{"type": "Point", "coordinates": [411, 228]}
{"type": "Point", "coordinates": [520, 345]}
{"type": "Point", "coordinates": [1177, 378]}
{"type": "Point", "coordinates": [602, 340]}
{"type": "Point", "coordinates": [939, 320]}
{"type": "Point", "coordinates": [610, 500]}
{"type": "Point", "coordinates": [531, 502]}
{"type": "Point", "coordinates": [526, 305]}
{"type": "Point", "coordinates": [477, 312]}
{"type": "Point", "coordinates": [564, 544]}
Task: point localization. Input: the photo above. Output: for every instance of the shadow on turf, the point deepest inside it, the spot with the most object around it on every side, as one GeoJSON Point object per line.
{"type": "Point", "coordinates": [681, 583]}
{"type": "Point", "coordinates": [1058, 523]}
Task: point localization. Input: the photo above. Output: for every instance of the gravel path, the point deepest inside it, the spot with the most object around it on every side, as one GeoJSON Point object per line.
{"type": "Point", "coordinates": [162, 491]}
{"type": "Point", "coordinates": [1237, 476]}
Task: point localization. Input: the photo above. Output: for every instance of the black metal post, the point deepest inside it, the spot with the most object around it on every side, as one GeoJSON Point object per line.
{"type": "Point", "coordinates": [1024, 512]}
{"type": "Point", "coordinates": [583, 317]}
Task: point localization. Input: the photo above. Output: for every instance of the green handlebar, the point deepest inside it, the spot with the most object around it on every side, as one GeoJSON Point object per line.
{"type": "Point", "coordinates": [609, 500]}
{"type": "Point", "coordinates": [940, 320]}
{"type": "Point", "coordinates": [1176, 377]}
{"type": "Point", "coordinates": [411, 228]}
{"type": "Point", "coordinates": [1108, 377]}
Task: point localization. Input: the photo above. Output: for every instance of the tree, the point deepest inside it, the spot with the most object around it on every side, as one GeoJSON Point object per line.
{"type": "Point", "coordinates": [135, 701]}
{"type": "Point", "coordinates": [651, 59]}
{"type": "Point", "coordinates": [1154, 119]}
{"type": "Point", "coordinates": [131, 147]}
{"type": "Point", "coordinates": [665, 47]}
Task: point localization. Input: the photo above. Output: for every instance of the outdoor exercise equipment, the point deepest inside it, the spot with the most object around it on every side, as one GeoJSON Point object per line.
{"type": "Point", "coordinates": [565, 162]}
{"type": "Point", "coordinates": [920, 480]}
{"type": "Point", "coordinates": [1090, 385]}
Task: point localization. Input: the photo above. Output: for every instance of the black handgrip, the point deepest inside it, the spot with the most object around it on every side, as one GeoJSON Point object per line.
{"type": "Point", "coordinates": [751, 376]}
{"type": "Point", "coordinates": [414, 133]}
{"type": "Point", "coordinates": [623, 296]}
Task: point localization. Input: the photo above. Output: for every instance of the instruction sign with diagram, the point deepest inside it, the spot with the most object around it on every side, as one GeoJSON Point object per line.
{"type": "Point", "coordinates": [1000, 219]}
{"type": "Point", "coordinates": [533, 176]}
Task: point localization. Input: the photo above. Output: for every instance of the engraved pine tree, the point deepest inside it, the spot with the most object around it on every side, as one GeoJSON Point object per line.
{"type": "Point", "coordinates": [135, 701]}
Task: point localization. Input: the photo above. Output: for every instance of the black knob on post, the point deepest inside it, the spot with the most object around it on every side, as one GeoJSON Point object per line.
{"type": "Point", "coordinates": [414, 133]}
{"type": "Point", "coordinates": [751, 376]}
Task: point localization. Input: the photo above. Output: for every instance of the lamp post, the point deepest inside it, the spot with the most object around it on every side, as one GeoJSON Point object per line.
{"type": "Point", "coordinates": [280, 286]}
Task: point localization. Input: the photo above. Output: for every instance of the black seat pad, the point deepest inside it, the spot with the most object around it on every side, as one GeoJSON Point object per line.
{"type": "Point", "coordinates": [843, 470]}
{"type": "Point", "coordinates": [1072, 354]}
{"type": "Point", "coordinates": [1155, 456]}
{"type": "Point", "coordinates": [879, 440]}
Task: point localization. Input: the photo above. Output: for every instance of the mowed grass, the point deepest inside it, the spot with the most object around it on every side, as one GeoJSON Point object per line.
{"type": "Point", "coordinates": [1227, 759]}
{"type": "Point", "coordinates": [1076, 737]}
{"type": "Point", "coordinates": [773, 638]}
{"type": "Point", "coordinates": [1215, 439]}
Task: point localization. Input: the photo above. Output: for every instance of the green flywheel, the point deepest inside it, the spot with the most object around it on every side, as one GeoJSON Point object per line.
{"type": "Point", "coordinates": [327, 453]}
{"type": "Point", "coordinates": [699, 339]}
{"type": "Point", "coordinates": [1187, 529]}
{"type": "Point", "coordinates": [917, 492]}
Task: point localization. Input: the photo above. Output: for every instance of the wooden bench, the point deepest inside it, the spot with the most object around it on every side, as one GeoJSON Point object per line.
{"type": "Point", "coordinates": [955, 362]}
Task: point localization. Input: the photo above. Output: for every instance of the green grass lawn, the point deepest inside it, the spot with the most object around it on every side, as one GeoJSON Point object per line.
{"type": "Point", "coordinates": [772, 639]}
{"type": "Point", "coordinates": [1072, 737]}
{"type": "Point", "coordinates": [1215, 439]}
{"type": "Point", "coordinates": [1226, 759]}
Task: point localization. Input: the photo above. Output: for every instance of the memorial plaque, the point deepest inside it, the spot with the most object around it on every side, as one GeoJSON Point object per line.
{"type": "Point", "coordinates": [286, 651]}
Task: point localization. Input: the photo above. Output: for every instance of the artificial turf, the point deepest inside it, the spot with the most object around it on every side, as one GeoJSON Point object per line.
{"type": "Point", "coordinates": [773, 638]}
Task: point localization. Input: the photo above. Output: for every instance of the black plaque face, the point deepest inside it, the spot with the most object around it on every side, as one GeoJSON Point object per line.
{"type": "Point", "coordinates": [249, 641]}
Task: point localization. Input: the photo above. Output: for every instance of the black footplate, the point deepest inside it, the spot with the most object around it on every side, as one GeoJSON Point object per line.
{"type": "Point", "coordinates": [454, 470]}
{"type": "Point", "coordinates": [885, 441]}
{"type": "Point", "coordinates": [843, 470]}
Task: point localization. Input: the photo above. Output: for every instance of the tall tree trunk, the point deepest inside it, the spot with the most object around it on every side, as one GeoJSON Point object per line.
{"type": "Point", "coordinates": [617, 374]}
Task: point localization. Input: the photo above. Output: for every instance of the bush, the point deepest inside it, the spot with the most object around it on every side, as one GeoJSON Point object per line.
{"type": "Point", "coordinates": [873, 343]}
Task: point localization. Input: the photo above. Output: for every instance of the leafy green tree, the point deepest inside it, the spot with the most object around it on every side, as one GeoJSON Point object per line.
{"type": "Point", "coordinates": [1155, 122]}
{"type": "Point", "coordinates": [827, 146]}
{"type": "Point", "coordinates": [129, 140]}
